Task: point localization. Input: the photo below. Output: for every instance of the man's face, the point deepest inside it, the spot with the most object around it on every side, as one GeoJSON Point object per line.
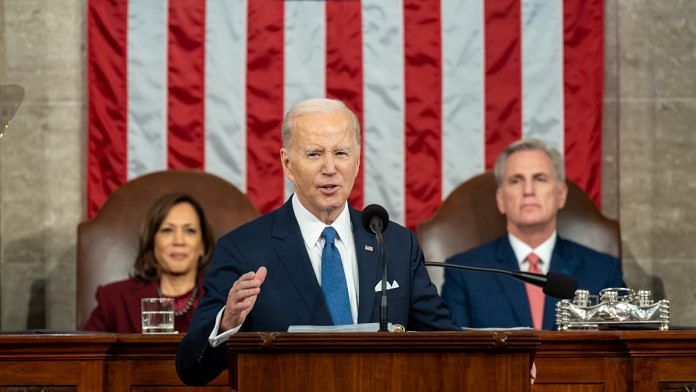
{"type": "Point", "coordinates": [530, 195]}
{"type": "Point", "coordinates": [322, 160]}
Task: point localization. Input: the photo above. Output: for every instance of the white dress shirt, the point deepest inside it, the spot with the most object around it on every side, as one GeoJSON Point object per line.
{"type": "Point", "coordinates": [544, 251]}
{"type": "Point", "coordinates": [312, 228]}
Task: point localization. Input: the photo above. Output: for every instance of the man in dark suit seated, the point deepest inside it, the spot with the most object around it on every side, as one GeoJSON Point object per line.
{"type": "Point", "coordinates": [310, 261]}
{"type": "Point", "coordinates": [531, 190]}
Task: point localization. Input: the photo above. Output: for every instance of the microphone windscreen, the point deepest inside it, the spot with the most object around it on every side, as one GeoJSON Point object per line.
{"type": "Point", "coordinates": [372, 211]}
{"type": "Point", "coordinates": [560, 286]}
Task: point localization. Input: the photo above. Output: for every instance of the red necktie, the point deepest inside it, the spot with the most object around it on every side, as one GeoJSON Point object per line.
{"type": "Point", "coordinates": [535, 294]}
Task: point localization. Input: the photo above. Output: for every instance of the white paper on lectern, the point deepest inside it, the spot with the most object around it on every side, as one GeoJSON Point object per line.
{"type": "Point", "coordinates": [364, 327]}
{"type": "Point", "coordinates": [498, 329]}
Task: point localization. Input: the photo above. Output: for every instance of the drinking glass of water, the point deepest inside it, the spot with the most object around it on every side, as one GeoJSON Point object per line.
{"type": "Point", "coordinates": [157, 315]}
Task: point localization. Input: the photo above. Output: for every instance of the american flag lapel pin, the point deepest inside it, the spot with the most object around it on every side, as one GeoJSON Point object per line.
{"type": "Point", "coordinates": [369, 248]}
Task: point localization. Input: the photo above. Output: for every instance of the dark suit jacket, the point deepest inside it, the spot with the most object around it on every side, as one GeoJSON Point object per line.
{"type": "Point", "coordinates": [118, 308]}
{"type": "Point", "coordinates": [487, 300]}
{"type": "Point", "coordinates": [291, 294]}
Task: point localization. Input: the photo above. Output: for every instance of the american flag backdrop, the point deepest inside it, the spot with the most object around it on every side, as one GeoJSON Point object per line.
{"type": "Point", "coordinates": [440, 88]}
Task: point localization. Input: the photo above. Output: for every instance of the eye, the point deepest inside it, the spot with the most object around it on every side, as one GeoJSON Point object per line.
{"type": "Point", "coordinates": [166, 230]}
{"type": "Point", "coordinates": [191, 230]}
{"type": "Point", "coordinates": [313, 154]}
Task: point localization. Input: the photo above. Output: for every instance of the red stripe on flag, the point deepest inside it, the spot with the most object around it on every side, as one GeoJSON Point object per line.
{"type": "Point", "coordinates": [503, 85]}
{"type": "Point", "coordinates": [186, 84]}
{"type": "Point", "coordinates": [583, 65]}
{"type": "Point", "coordinates": [264, 99]}
{"type": "Point", "coordinates": [107, 108]}
{"type": "Point", "coordinates": [423, 109]}
{"type": "Point", "coordinates": [344, 69]}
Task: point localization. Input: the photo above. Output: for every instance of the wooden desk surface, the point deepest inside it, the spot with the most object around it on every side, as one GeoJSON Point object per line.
{"type": "Point", "coordinates": [93, 363]}
{"type": "Point", "coordinates": [481, 361]}
{"type": "Point", "coordinates": [616, 361]}
{"type": "Point", "coordinates": [566, 361]}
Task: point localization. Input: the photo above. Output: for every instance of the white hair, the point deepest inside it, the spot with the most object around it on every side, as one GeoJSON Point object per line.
{"type": "Point", "coordinates": [314, 106]}
{"type": "Point", "coordinates": [529, 145]}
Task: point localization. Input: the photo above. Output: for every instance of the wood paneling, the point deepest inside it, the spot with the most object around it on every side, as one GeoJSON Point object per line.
{"type": "Point", "coordinates": [615, 361]}
{"type": "Point", "coordinates": [418, 361]}
{"type": "Point", "coordinates": [481, 361]}
{"type": "Point", "coordinates": [93, 363]}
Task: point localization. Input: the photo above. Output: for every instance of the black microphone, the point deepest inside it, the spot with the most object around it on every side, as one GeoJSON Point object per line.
{"type": "Point", "coordinates": [554, 284]}
{"type": "Point", "coordinates": [375, 219]}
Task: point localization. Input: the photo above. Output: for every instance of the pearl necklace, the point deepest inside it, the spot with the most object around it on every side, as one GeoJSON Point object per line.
{"type": "Point", "coordinates": [189, 303]}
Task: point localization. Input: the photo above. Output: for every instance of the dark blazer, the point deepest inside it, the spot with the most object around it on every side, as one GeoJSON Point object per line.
{"type": "Point", "coordinates": [487, 300]}
{"type": "Point", "coordinates": [291, 294]}
{"type": "Point", "coordinates": [118, 308]}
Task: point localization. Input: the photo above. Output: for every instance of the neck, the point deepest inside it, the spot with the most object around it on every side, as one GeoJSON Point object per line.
{"type": "Point", "coordinates": [328, 218]}
{"type": "Point", "coordinates": [325, 216]}
{"type": "Point", "coordinates": [177, 285]}
{"type": "Point", "coordinates": [532, 236]}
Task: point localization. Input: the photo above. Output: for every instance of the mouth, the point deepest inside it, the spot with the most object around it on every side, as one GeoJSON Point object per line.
{"type": "Point", "coordinates": [328, 188]}
{"type": "Point", "coordinates": [178, 256]}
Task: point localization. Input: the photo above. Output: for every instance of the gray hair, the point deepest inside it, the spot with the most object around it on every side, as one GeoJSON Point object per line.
{"type": "Point", "coordinates": [530, 145]}
{"type": "Point", "coordinates": [315, 106]}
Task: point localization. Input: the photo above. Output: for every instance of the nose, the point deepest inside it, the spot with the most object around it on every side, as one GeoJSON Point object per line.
{"type": "Point", "coordinates": [329, 166]}
{"type": "Point", "coordinates": [529, 187]}
{"type": "Point", "coordinates": [178, 237]}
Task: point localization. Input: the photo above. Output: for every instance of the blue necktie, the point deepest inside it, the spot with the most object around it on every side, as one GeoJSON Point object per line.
{"type": "Point", "coordinates": [333, 280]}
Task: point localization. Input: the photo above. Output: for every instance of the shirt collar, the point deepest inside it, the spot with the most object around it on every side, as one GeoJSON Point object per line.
{"type": "Point", "coordinates": [522, 250]}
{"type": "Point", "coordinates": [312, 228]}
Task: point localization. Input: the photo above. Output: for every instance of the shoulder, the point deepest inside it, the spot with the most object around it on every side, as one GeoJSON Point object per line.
{"type": "Point", "coordinates": [584, 255]}
{"type": "Point", "coordinates": [260, 226]}
{"type": "Point", "coordinates": [393, 229]}
{"type": "Point", "coordinates": [479, 253]}
{"type": "Point", "coordinates": [123, 286]}
{"type": "Point", "coordinates": [396, 229]}
{"type": "Point", "coordinates": [582, 250]}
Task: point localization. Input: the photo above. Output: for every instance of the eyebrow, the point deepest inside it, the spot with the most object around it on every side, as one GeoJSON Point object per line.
{"type": "Point", "coordinates": [534, 175]}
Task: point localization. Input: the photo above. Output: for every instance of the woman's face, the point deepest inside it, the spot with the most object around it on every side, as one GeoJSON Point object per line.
{"type": "Point", "coordinates": [179, 242]}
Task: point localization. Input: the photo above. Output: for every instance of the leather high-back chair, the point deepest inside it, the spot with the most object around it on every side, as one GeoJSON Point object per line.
{"type": "Point", "coordinates": [470, 217]}
{"type": "Point", "coordinates": [107, 245]}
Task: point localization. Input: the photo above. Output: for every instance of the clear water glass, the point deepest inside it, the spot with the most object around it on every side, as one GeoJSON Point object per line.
{"type": "Point", "coordinates": [157, 315]}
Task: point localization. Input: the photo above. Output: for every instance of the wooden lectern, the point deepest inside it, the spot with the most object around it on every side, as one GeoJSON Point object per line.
{"type": "Point", "coordinates": [408, 361]}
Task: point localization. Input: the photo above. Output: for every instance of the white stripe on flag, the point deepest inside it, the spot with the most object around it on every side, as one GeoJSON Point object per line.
{"type": "Point", "coordinates": [304, 55]}
{"type": "Point", "coordinates": [542, 71]}
{"type": "Point", "coordinates": [383, 57]}
{"type": "Point", "coordinates": [225, 89]}
{"type": "Point", "coordinates": [147, 87]}
{"type": "Point", "coordinates": [463, 133]}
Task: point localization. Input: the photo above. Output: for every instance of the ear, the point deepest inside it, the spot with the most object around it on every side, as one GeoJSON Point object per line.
{"type": "Point", "coordinates": [357, 165]}
{"type": "Point", "coordinates": [499, 200]}
{"type": "Point", "coordinates": [285, 162]}
{"type": "Point", "coordinates": [562, 194]}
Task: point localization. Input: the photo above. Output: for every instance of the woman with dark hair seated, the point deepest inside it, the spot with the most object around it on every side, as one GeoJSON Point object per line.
{"type": "Point", "coordinates": [176, 246]}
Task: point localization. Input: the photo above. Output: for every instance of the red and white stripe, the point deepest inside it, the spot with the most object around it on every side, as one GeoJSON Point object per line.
{"type": "Point", "coordinates": [440, 87]}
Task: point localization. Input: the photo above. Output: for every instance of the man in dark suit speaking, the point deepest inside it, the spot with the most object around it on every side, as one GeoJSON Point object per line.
{"type": "Point", "coordinates": [531, 190]}
{"type": "Point", "coordinates": [310, 261]}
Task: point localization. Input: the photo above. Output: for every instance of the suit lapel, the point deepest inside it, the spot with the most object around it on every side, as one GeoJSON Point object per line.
{"type": "Point", "coordinates": [515, 291]}
{"type": "Point", "coordinates": [563, 262]}
{"type": "Point", "coordinates": [368, 267]}
{"type": "Point", "coordinates": [289, 246]}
